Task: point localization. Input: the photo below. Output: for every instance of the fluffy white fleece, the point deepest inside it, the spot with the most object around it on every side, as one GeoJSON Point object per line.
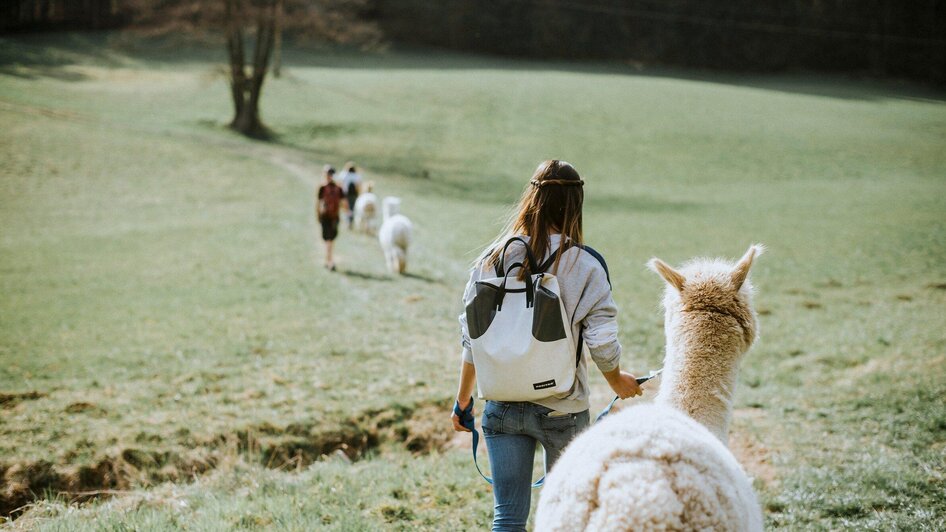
{"type": "Point", "coordinates": [395, 236]}
{"type": "Point", "coordinates": [649, 467]}
{"type": "Point", "coordinates": [665, 466]}
{"type": "Point", "coordinates": [366, 212]}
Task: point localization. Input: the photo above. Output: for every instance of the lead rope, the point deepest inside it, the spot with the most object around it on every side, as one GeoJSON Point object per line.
{"type": "Point", "coordinates": [469, 421]}
{"type": "Point", "coordinates": [640, 380]}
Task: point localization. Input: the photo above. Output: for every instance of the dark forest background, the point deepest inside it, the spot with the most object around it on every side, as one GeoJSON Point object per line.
{"type": "Point", "coordinates": [879, 38]}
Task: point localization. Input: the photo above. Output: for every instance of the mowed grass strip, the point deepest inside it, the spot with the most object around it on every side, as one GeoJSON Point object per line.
{"type": "Point", "coordinates": [164, 306]}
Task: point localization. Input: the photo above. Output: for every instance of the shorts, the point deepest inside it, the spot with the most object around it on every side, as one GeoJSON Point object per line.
{"type": "Point", "coordinates": [329, 228]}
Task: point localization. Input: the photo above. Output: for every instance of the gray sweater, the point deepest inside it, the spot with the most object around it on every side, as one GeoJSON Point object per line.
{"type": "Point", "coordinates": [586, 294]}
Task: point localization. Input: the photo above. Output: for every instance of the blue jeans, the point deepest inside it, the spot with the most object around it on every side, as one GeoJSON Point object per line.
{"type": "Point", "coordinates": [511, 431]}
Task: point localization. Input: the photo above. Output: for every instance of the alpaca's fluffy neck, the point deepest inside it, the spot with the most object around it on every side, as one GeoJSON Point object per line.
{"type": "Point", "coordinates": [699, 381]}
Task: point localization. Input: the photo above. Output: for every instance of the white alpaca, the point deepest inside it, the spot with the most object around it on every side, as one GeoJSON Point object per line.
{"type": "Point", "coordinates": [395, 235]}
{"type": "Point", "coordinates": [366, 210]}
{"type": "Point", "coordinates": [666, 466]}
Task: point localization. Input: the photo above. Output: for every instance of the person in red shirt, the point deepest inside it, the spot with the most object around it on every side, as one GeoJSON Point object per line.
{"type": "Point", "coordinates": [328, 206]}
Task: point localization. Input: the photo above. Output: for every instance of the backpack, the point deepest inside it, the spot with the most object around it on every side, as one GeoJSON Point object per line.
{"type": "Point", "coordinates": [520, 335]}
{"type": "Point", "coordinates": [331, 198]}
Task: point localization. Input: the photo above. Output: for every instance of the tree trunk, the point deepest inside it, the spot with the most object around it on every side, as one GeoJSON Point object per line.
{"type": "Point", "coordinates": [235, 53]}
{"type": "Point", "coordinates": [277, 46]}
{"type": "Point", "coordinates": [246, 91]}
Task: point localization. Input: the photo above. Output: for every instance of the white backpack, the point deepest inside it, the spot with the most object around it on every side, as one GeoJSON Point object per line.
{"type": "Point", "coordinates": [520, 334]}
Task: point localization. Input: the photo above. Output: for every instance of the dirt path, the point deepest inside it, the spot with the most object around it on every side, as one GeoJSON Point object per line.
{"type": "Point", "coordinates": [289, 159]}
{"type": "Point", "coordinates": [292, 160]}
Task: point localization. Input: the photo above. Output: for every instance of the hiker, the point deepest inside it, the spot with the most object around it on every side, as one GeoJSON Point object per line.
{"type": "Point", "coordinates": [351, 183]}
{"type": "Point", "coordinates": [328, 205]}
{"type": "Point", "coordinates": [549, 219]}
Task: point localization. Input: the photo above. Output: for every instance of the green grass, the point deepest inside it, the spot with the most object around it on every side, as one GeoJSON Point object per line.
{"type": "Point", "coordinates": [391, 494]}
{"type": "Point", "coordinates": [166, 329]}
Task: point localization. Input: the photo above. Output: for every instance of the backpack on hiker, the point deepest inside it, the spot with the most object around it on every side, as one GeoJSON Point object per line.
{"type": "Point", "coordinates": [521, 340]}
{"type": "Point", "coordinates": [331, 198]}
{"type": "Point", "coordinates": [520, 335]}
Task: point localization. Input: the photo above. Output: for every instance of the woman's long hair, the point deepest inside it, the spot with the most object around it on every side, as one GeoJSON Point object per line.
{"type": "Point", "coordinates": [551, 203]}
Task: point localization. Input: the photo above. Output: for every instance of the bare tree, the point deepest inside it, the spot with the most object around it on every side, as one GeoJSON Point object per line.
{"type": "Point", "coordinates": [253, 30]}
{"type": "Point", "coordinates": [277, 52]}
{"type": "Point", "coordinates": [246, 81]}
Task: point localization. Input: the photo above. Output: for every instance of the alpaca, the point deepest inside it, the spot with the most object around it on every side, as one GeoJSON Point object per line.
{"type": "Point", "coordinates": [390, 206]}
{"type": "Point", "coordinates": [666, 465]}
{"type": "Point", "coordinates": [395, 235]}
{"type": "Point", "coordinates": [366, 210]}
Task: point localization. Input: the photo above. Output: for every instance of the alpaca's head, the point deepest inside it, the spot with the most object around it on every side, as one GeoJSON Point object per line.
{"type": "Point", "coordinates": [390, 206]}
{"type": "Point", "coordinates": [708, 304]}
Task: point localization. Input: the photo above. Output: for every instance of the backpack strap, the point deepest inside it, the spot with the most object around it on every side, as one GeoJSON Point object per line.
{"type": "Point", "coordinates": [591, 251]}
{"type": "Point", "coordinates": [501, 271]}
{"type": "Point", "coordinates": [551, 260]}
{"type": "Point", "coordinates": [501, 290]}
{"type": "Point", "coordinates": [544, 267]}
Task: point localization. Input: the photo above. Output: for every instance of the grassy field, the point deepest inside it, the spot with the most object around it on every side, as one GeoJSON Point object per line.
{"type": "Point", "coordinates": [169, 338]}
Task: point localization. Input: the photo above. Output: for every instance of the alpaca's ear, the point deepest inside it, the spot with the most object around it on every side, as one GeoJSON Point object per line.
{"type": "Point", "coordinates": [673, 277]}
{"type": "Point", "coordinates": [741, 271]}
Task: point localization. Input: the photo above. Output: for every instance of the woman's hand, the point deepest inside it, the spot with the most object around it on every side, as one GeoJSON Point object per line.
{"type": "Point", "coordinates": [464, 393]}
{"type": "Point", "coordinates": [456, 419]}
{"type": "Point", "coordinates": [623, 383]}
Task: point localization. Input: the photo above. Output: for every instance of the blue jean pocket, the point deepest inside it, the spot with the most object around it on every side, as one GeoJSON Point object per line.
{"type": "Point", "coordinates": [559, 423]}
{"type": "Point", "coordinates": [493, 414]}
{"type": "Point", "coordinates": [559, 429]}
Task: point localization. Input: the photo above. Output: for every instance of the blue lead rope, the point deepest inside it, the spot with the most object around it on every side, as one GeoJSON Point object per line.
{"type": "Point", "coordinates": [607, 409]}
{"type": "Point", "coordinates": [640, 380]}
{"type": "Point", "coordinates": [469, 421]}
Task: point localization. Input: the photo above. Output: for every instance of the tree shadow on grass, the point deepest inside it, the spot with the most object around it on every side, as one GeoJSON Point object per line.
{"type": "Point", "coordinates": [422, 277]}
{"type": "Point", "coordinates": [365, 275]}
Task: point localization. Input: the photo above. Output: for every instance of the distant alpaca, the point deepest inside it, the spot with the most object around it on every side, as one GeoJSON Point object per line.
{"type": "Point", "coordinates": [366, 210]}
{"type": "Point", "coordinates": [666, 466]}
{"type": "Point", "coordinates": [395, 235]}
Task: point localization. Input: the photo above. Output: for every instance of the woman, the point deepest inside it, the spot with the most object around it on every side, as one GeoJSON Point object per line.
{"type": "Point", "coordinates": [549, 219]}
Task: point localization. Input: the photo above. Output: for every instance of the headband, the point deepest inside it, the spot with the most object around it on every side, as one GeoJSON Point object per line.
{"type": "Point", "coordinates": [563, 182]}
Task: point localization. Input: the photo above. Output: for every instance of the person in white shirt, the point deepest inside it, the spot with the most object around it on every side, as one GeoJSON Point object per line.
{"type": "Point", "coordinates": [351, 183]}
